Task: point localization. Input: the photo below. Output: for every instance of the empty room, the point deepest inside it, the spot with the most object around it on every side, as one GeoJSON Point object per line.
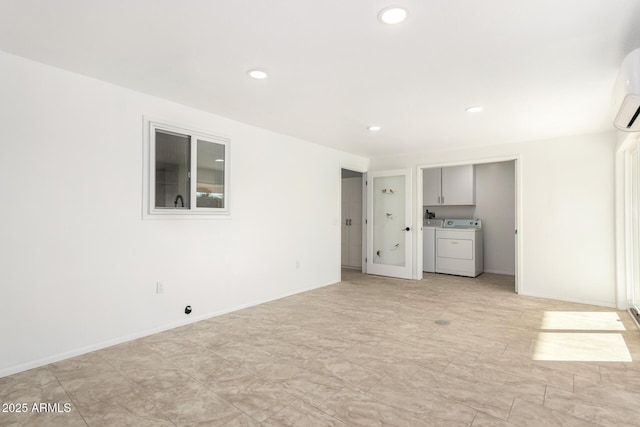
{"type": "Point", "coordinates": [296, 213]}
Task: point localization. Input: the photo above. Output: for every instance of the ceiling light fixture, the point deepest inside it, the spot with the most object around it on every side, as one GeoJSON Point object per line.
{"type": "Point", "coordinates": [392, 15]}
{"type": "Point", "coordinates": [219, 160]}
{"type": "Point", "coordinates": [473, 109]}
{"type": "Point", "coordinates": [257, 74]}
{"type": "Point", "coordinates": [374, 128]}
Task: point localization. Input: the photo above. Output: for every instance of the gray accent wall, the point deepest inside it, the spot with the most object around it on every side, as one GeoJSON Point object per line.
{"type": "Point", "coordinates": [495, 206]}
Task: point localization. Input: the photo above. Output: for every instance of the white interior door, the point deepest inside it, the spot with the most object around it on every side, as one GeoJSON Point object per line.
{"type": "Point", "coordinates": [389, 226]}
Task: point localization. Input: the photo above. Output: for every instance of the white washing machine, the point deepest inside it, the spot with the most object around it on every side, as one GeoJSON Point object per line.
{"type": "Point", "coordinates": [429, 228]}
{"type": "Point", "coordinates": [459, 247]}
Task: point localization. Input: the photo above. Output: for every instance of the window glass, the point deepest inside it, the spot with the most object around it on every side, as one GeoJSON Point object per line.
{"type": "Point", "coordinates": [173, 170]}
{"type": "Point", "coordinates": [210, 175]}
{"type": "Point", "coordinates": [188, 173]}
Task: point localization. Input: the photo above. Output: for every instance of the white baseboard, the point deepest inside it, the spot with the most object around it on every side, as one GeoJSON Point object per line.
{"type": "Point", "coordinates": [11, 370]}
{"type": "Point", "coordinates": [507, 273]}
{"type": "Point", "coordinates": [576, 300]}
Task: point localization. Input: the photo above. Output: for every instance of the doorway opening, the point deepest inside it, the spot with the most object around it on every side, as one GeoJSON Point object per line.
{"type": "Point", "coordinates": [389, 223]}
{"type": "Point", "coordinates": [485, 190]}
{"type": "Point", "coordinates": [352, 225]}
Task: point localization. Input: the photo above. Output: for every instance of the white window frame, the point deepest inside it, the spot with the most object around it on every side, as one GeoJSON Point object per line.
{"type": "Point", "coordinates": [149, 178]}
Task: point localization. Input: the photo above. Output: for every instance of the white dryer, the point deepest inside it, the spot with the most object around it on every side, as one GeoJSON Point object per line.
{"type": "Point", "coordinates": [459, 247]}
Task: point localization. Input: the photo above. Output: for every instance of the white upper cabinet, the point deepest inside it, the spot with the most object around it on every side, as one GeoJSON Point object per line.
{"type": "Point", "coordinates": [449, 186]}
{"type": "Point", "coordinates": [431, 186]}
{"type": "Point", "coordinates": [458, 185]}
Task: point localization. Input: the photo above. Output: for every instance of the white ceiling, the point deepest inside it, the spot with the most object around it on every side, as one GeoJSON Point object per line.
{"type": "Point", "coordinates": [541, 68]}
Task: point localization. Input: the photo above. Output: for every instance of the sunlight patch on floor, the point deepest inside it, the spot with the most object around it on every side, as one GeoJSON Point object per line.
{"type": "Point", "coordinates": [581, 347]}
{"type": "Point", "coordinates": [581, 336]}
{"type": "Point", "coordinates": [582, 321]}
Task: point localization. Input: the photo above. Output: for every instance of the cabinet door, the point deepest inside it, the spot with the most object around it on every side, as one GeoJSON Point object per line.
{"type": "Point", "coordinates": [344, 229]}
{"type": "Point", "coordinates": [431, 181]}
{"type": "Point", "coordinates": [352, 222]}
{"type": "Point", "coordinates": [458, 185]}
{"type": "Point", "coordinates": [355, 224]}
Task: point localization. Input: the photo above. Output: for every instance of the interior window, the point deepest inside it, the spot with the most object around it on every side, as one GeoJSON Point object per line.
{"type": "Point", "coordinates": [189, 172]}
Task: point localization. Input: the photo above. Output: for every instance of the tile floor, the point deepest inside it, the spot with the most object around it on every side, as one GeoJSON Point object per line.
{"type": "Point", "coordinates": [364, 352]}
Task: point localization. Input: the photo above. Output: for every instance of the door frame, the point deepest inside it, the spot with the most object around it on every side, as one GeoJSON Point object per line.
{"type": "Point", "coordinates": [633, 245]}
{"type": "Point", "coordinates": [418, 214]}
{"type": "Point", "coordinates": [627, 142]}
{"type": "Point", "coordinates": [518, 232]}
{"type": "Point", "coordinates": [406, 272]}
{"type": "Point", "coordinates": [338, 221]}
{"type": "Point", "coordinates": [627, 235]}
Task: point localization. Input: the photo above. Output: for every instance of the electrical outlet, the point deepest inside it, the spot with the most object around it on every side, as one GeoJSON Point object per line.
{"type": "Point", "coordinates": [159, 288]}
{"type": "Point", "coordinates": [297, 264]}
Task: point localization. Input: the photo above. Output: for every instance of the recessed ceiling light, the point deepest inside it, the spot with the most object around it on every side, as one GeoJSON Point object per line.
{"type": "Point", "coordinates": [392, 15]}
{"type": "Point", "coordinates": [473, 109]}
{"type": "Point", "coordinates": [258, 74]}
{"type": "Point", "coordinates": [219, 160]}
{"type": "Point", "coordinates": [374, 128]}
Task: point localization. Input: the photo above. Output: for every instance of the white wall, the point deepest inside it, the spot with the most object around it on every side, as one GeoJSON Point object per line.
{"type": "Point", "coordinates": [78, 265]}
{"type": "Point", "coordinates": [566, 225]}
{"type": "Point", "coordinates": [495, 205]}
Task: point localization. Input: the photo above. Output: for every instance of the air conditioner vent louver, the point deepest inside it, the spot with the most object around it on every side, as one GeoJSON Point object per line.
{"type": "Point", "coordinates": [633, 119]}
{"type": "Point", "coordinates": [627, 118]}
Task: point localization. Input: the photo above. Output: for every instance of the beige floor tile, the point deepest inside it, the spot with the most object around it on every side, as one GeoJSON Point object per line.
{"type": "Point", "coordinates": [366, 351]}
{"type": "Point", "coordinates": [308, 386]}
{"type": "Point", "coordinates": [626, 377]}
{"type": "Point", "coordinates": [484, 420]}
{"type": "Point", "coordinates": [527, 414]}
{"type": "Point", "coordinates": [594, 410]}
{"type": "Point", "coordinates": [213, 371]}
{"type": "Point", "coordinates": [314, 340]}
{"type": "Point", "coordinates": [419, 399]}
{"type": "Point", "coordinates": [38, 419]}
{"type": "Point", "coordinates": [368, 357]}
{"type": "Point", "coordinates": [192, 403]}
{"type": "Point", "coordinates": [532, 391]}
{"type": "Point", "coordinates": [131, 356]}
{"type": "Point", "coordinates": [83, 366]}
{"type": "Point", "coordinates": [22, 396]}
{"type": "Point", "coordinates": [101, 390]}
{"type": "Point", "coordinates": [481, 396]}
{"type": "Point", "coordinates": [249, 357]}
{"type": "Point", "coordinates": [334, 365]}
{"type": "Point", "coordinates": [242, 420]}
{"type": "Point", "coordinates": [300, 413]}
{"type": "Point", "coordinates": [126, 409]}
{"type": "Point", "coordinates": [613, 393]}
{"type": "Point", "coordinates": [358, 409]}
{"type": "Point", "coordinates": [255, 397]}
{"type": "Point", "coordinates": [34, 386]}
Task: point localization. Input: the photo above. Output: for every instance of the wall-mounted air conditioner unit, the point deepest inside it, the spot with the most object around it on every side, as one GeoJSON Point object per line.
{"type": "Point", "coordinates": [627, 94]}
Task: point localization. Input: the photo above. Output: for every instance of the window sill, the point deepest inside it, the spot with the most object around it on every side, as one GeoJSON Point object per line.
{"type": "Point", "coordinates": [186, 215]}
